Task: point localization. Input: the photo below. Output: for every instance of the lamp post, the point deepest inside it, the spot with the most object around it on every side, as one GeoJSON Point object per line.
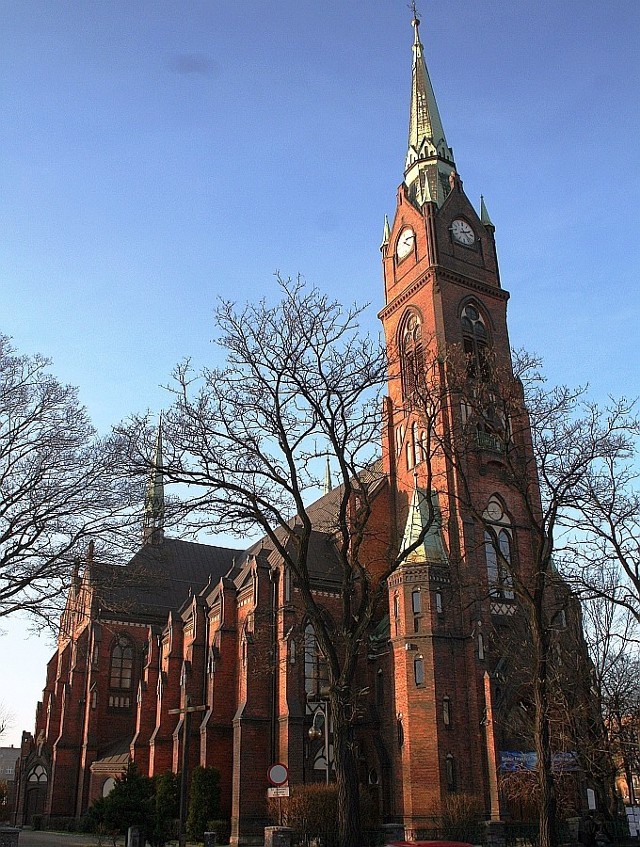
{"type": "Point", "coordinates": [321, 714]}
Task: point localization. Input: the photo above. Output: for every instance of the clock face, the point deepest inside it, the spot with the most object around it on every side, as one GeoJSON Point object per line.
{"type": "Point", "coordinates": [462, 232]}
{"type": "Point", "coordinates": [406, 242]}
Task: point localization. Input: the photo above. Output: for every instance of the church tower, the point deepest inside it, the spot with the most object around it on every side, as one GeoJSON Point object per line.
{"type": "Point", "coordinates": [442, 293]}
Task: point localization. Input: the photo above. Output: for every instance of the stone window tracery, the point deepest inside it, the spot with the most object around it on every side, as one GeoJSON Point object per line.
{"type": "Point", "coordinates": [121, 669]}
{"type": "Point", "coordinates": [475, 340]}
{"type": "Point", "coordinates": [411, 355]}
{"type": "Point", "coordinates": [498, 550]}
{"type": "Point", "coordinates": [316, 672]}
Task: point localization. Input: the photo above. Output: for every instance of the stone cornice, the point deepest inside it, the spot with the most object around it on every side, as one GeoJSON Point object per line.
{"type": "Point", "coordinates": [437, 274]}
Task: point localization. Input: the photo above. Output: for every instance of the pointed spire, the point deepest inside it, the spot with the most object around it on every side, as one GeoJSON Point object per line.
{"type": "Point", "coordinates": [327, 476]}
{"type": "Point", "coordinates": [153, 531]}
{"type": "Point", "coordinates": [431, 549]}
{"type": "Point", "coordinates": [484, 215]}
{"type": "Point", "coordinates": [386, 233]}
{"type": "Point", "coordinates": [429, 159]}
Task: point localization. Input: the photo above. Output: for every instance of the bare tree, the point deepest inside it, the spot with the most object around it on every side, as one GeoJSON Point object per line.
{"type": "Point", "coordinates": [605, 560]}
{"type": "Point", "coordinates": [251, 439]}
{"type": "Point", "coordinates": [6, 719]}
{"type": "Point", "coordinates": [547, 444]}
{"type": "Point", "coordinates": [613, 637]}
{"type": "Point", "coordinates": [56, 491]}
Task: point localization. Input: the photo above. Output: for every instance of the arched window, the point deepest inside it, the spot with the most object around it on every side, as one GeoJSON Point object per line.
{"type": "Point", "coordinates": [418, 670]}
{"type": "Point", "coordinates": [497, 546]}
{"type": "Point", "coordinates": [396, 611]}
{"type": "Point", "coordinates": [316, 673]}
{"type": "Point", "coordinates": [446, 711]}
{"type": "Point", "coordinates": [411, 355]}
{"type": "Point", "coordinates": [416, 601]}
{"type": "Point", "coordinates": [475, 340]}
{"type": "Point", "coordinates": [379, 688]}
{"type": "Point", "coordinates": [121, 674]}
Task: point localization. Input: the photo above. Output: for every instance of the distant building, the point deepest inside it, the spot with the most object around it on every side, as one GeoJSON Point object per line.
{"type": "Point", "coordinates": [443, 709]}
{"type": "Point", "coordinates": [8, 762]}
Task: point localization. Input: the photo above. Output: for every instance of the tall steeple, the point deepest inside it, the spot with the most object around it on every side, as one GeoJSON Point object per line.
{"type": "Point", "coordinates": [153, 526]}
{"type": "Point", "coordinates": [429, 159]}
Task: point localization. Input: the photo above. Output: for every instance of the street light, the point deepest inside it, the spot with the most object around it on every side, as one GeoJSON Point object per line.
{"type": "Point", "coordinates": [321, 715]}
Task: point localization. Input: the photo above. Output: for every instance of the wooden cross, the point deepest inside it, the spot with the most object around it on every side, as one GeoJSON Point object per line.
{"type": "Point", "coordinates": [186, 711]}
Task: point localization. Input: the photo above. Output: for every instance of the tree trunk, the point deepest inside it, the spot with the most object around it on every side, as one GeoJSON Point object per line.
{"type": "Point", "coordinates": [346, 769]}
{"type": "Point", "coordinates": [548, 801]}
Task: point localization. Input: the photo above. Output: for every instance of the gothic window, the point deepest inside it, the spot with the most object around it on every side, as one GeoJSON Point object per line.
{"type": "Point", "coordinates": [396, 611]}
{"type": "Point", "coordinates": [287, 585]}
{"type": "Point", "coordinates": [316, 672]}
{"type": "Point", "coordinates": [480, 646]}
{"type": "Point", "coordinates": [121, 674]}
{"type": "Point", "coordinates": [38, 774]}
{"type": "Point", "coordinates": [439, 602]}
{"type": "Point", "coordinates": [399, 439]}
{"type": "Point", "coordinates": [560, 620]}
{"type": "Point", "coordinates": [446, 711]}
{"type": "Point", "coordinates": [410, 454]}
{"type": "Point", "coordinates": [475, 340]}
{"type": "Point", "coordinates": [424, 453]}
{"type": "Point", "coordinates": [418, 670]}
{"type": "Point", "coordinates": [497, 546]}
{"type": "Point", "coordinates": [450, 769]}
{"type": "Point", "coordinates": [400, 730]}
{"type": "Point", "coordinates": [411, 355]}
{"type": "Point", "coordinates": [416, 607]}
{"type": "Point", "coordinates": [379, 688]}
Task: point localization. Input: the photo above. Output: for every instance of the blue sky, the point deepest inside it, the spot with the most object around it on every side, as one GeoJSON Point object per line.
{"type": "Point", "coordinates": [155, 157]}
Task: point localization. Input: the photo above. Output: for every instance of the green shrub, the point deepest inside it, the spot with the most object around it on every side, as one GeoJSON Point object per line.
{"type": "Point", "coordinates": [130, 803]}
{"type": "Point", "coordinates": [167, 804]}
{"type": "Point", "coordinates": [222, 830]}
{"type": "Point", "coordinates": [204, 801]}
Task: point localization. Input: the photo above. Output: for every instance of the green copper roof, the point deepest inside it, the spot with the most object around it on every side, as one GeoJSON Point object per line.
{"type": "Point", "coordinates": [429, 158]}
{"type": "Point", "coordinates": [431, 549]}
{"type": "Point", "coordinates": [484, 215]}
{"type": "Point", "coordinates": [386, 233]}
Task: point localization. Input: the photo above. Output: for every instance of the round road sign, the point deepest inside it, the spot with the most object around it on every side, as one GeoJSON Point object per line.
{"type": "Point", "coordinates": [278, 774]}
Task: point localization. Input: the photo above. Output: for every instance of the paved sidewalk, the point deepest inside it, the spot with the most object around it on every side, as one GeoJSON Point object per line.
{"type": "Point", "coordinates": [41, 838]}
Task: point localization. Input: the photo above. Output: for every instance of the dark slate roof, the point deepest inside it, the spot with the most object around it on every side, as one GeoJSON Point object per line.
{"type": "Point", "coordinates": [323, 562]}
{"type": "Point", "coordinates": [159, 578]}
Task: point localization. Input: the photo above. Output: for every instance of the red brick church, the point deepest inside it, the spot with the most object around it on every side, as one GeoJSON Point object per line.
{"type": "Point", "coordinates": [225, 629]}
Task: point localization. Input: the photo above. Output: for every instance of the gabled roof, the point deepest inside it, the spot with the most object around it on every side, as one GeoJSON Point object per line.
{"type": "Point", "coordinates": [162, 577]}
{"type": "Point", "coordinates": [158, 578]}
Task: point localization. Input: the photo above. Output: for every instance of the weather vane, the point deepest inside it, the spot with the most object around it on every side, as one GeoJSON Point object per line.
{"type": "Point", "coordinates": [413, 8]}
